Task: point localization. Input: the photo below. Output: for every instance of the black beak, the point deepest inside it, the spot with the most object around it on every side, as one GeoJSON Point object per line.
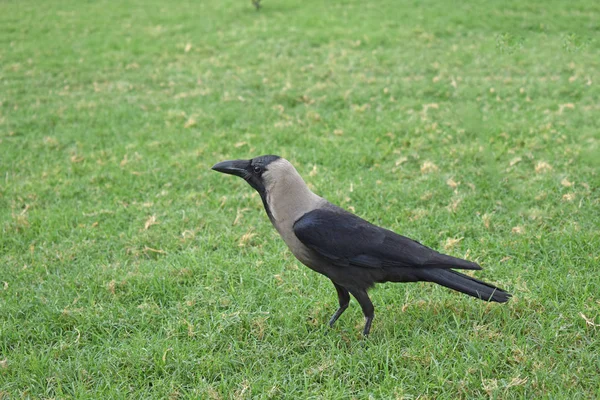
{"type": "Point", "coordinates": [233, 167]}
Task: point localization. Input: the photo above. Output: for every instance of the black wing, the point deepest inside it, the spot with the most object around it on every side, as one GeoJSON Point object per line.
{"type": "Point", "coordinates": [346, 239]}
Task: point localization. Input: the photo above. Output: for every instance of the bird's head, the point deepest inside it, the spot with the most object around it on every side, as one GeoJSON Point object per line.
{"type": "Point", "coordinates": [284, 193]}
{"type": "Point", "coordinates": [260, 172]}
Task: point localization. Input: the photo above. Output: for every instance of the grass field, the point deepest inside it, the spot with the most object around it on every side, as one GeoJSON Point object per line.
{"type": "Point", "coordinates": [129, 269]}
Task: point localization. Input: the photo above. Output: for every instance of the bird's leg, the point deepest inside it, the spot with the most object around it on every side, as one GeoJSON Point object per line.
{"type": "Point", "coordinates": [344, 298]}
{"type": "Point", "coordinates": [367, 307]}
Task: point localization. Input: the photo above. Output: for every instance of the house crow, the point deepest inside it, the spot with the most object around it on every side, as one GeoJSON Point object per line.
{"type": "Point", "coordinates": [353, 253]}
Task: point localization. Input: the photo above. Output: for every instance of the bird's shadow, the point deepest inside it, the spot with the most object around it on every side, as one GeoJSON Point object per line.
{"type": "Point", "coordinates": [405, 322]}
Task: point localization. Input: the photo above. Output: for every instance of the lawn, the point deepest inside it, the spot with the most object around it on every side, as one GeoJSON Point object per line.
{"type": "Point", "coordinates": [129, 269]}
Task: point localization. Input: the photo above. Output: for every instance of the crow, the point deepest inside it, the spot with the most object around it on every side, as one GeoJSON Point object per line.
{"type": "Point", "coordinates": [353, 253]}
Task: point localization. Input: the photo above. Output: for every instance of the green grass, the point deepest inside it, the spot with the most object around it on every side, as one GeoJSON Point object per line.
{"type": "Point", "coordinates": [128, 269]}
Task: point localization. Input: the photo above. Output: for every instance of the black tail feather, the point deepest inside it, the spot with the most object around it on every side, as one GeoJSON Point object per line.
{"type": "Point", "coordinates": [446, 261]}
{"type": "Point", "coordinates": [466, 284]}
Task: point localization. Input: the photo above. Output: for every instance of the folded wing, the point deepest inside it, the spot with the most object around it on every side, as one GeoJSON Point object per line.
{"type": "Point", "coordinates": [345, 239]}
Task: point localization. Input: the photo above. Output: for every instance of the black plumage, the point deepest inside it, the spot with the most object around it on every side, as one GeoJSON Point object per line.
{"type": "Point", "coordinates": [364, 254]}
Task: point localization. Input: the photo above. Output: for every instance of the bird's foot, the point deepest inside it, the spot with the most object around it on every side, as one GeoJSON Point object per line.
{"type": "Point", "coordinates": [367, 329]}
{"type": "Point", "coordinates": [337, 315]}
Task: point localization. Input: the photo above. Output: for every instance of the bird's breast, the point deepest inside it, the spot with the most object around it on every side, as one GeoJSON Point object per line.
{"type": "Point", "coordinates": [305, 255]}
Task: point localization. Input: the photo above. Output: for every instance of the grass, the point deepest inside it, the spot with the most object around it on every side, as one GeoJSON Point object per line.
{"type": "Point", "coordinates": [130, 270]}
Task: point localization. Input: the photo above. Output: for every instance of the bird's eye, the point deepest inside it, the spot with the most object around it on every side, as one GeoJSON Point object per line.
{"type": "Point", "coordinates": [257, 169]}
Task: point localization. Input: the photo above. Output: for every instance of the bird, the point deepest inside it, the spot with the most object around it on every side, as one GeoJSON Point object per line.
{"type": "Point", "coordinates": [352, 252]}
